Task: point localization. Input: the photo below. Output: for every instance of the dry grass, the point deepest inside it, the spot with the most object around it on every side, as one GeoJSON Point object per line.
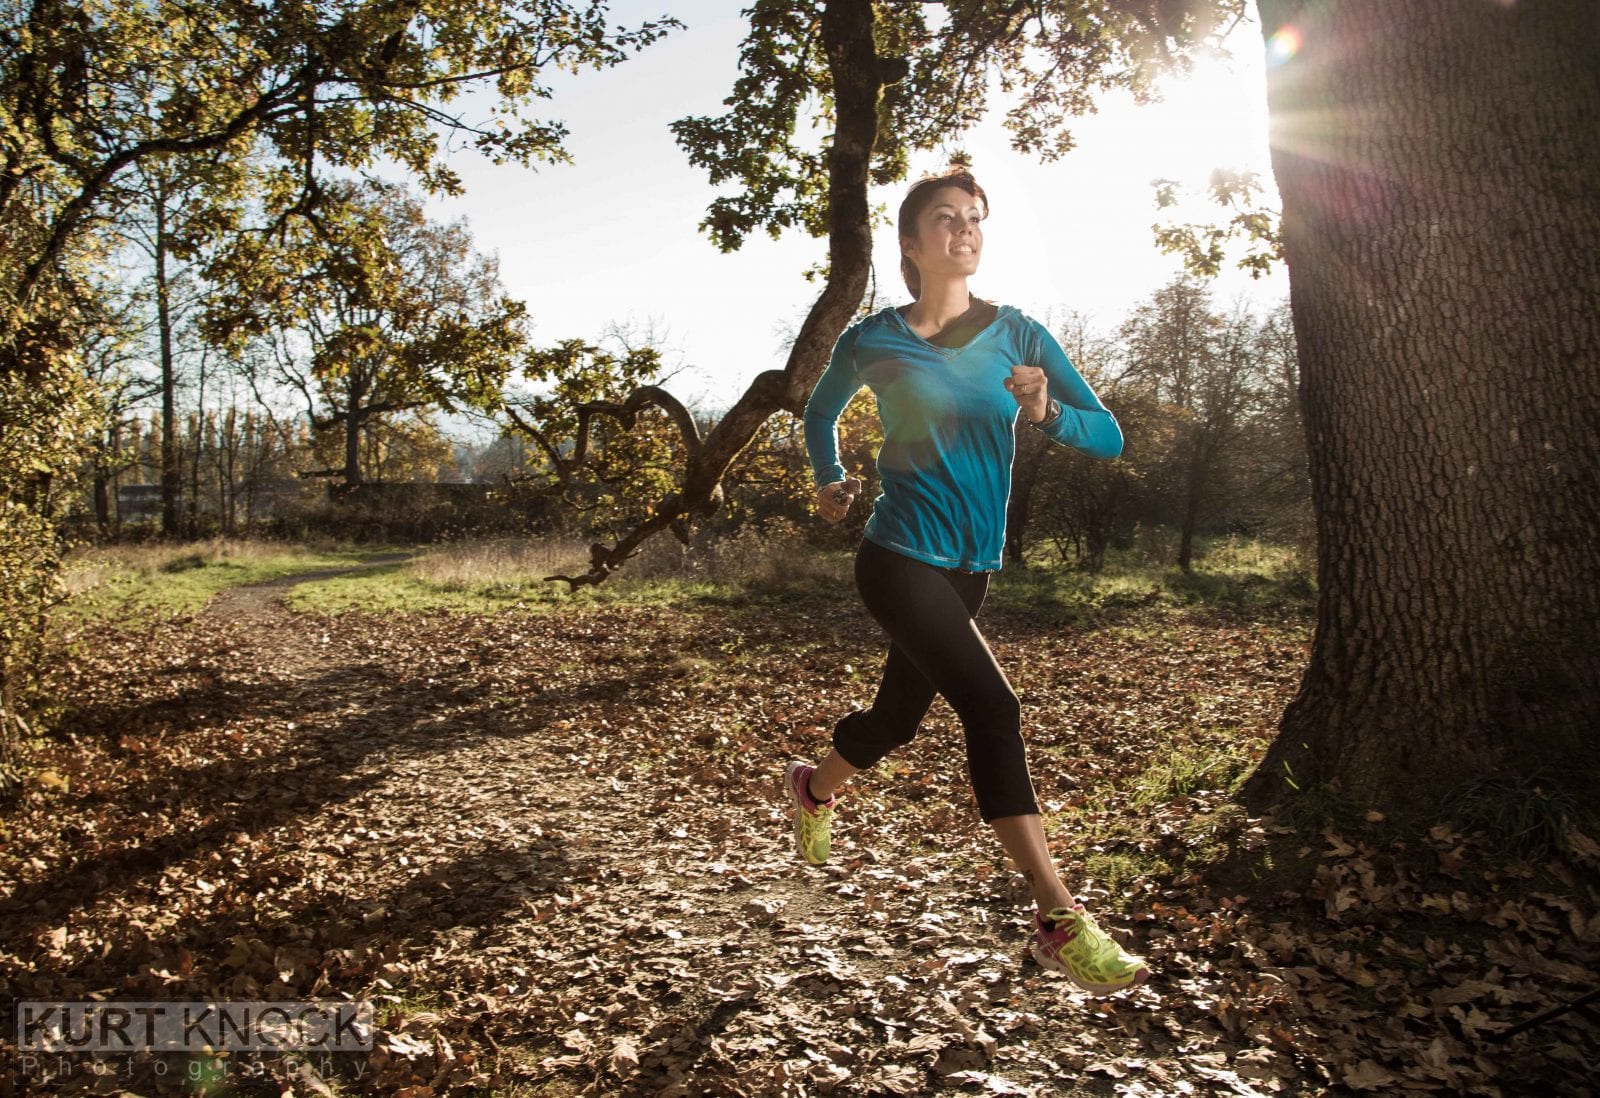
{"type": "Point", "coordinates": [498, 564]}
{"type": "Point", "coordinates": [487, 576]}
{"type": "Point", "coordinates": [774, 556]}
{"type": "Point", "coordinates": [505, 573]}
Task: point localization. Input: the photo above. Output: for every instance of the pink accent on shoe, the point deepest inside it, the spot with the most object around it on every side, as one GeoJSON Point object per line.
{"type": "Point", "coordinates": [1041, 923]}
{"type": "Point", "coordinates": [1052, 935]}
{"type": "Point", "coordinates": [801, 777]}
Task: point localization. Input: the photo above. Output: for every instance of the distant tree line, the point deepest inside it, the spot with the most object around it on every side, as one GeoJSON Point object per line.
{"type": "Point", "coordinates": [1207, 400]}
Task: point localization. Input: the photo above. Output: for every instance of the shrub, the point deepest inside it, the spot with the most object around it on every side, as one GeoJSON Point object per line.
{"type": "Point", "coordinates": [46, 419]}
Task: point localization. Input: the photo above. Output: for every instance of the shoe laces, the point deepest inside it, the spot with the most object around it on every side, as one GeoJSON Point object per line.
{"type": "Point", "coordinates": [1082, 925]}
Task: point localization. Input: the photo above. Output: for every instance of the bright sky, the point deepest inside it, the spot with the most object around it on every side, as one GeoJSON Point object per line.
{"type": "Point", "coordinates": [614, 237]}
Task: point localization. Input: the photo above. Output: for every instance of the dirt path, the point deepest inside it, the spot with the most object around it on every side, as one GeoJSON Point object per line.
{"type": "Point", "coordinates": [551, 849]}
{"type": "Point", "coordinates": [260, 608]}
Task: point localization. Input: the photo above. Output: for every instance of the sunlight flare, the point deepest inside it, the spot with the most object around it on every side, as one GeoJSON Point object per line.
{"type": "Point", "coordinates": [1282, 45]}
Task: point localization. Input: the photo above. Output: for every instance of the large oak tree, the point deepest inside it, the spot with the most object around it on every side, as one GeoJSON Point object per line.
{"type": "Point", "coordinates": [1439, 167]}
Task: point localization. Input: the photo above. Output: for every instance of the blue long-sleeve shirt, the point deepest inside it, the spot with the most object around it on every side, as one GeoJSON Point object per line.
{"type": "Point", "coordinates": [949, 429]}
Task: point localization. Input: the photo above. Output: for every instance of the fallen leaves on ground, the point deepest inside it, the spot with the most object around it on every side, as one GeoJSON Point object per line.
{"type": "Point", "coordinates": [552, 850]}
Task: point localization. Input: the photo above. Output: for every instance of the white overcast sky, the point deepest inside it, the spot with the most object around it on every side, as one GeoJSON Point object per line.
{"type": "Point", "coordinates": [614, 236]}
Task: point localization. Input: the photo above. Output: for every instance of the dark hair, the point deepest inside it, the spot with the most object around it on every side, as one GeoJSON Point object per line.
{"type": "Point", "coordinates": [917, 200]}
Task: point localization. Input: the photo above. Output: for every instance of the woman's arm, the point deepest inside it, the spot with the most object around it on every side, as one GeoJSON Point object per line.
{"type": "Point", "coordinates": [839, 382]}
{"type": "Point", "coordinates": [1084, 423]}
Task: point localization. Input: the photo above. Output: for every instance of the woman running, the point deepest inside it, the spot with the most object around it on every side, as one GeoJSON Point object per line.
{"type": "Point", "coordinates": [951, 374]}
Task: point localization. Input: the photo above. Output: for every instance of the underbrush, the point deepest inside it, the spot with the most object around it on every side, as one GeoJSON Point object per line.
{"type": "Point", "coordinates": [757, 567]}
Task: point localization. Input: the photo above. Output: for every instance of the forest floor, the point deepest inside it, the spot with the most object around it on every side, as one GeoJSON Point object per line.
{"type": "Point", "coordinates": [550, 847]}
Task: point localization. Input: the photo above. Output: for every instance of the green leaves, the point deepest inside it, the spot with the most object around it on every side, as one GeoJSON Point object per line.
{"type": "Point", "coordinates": [46, 420]}
{"type": "Point", "coordinates": [611, 460]}
{"type": "Point", "coordinates": [754, 145]}
{"type": "Point", "coordinates": [1048, 59]}
{"type": "Point", "coordinates": [1203, 246]}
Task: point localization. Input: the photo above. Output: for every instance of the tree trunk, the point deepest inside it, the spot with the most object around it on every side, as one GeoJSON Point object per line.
{"type": "Point", "coordinates": [352, 444]}
{"type": "Point", "coordinates": [1193, 480]}
{"type": "Point", "coordinates": [1439, 166]}
{"type": "Point", "coordinates": [101, 481]}
{"type": "Point", "coordinates": [171, 477]}
{"type": "Point", "coordinates": [197, 433]}
{"type": "Point", "coordinates": [1198, 484]}
{"type": "Point", "coordinates": [227, 459]}
{"type": "Point", "coordinates": [1099, 519]}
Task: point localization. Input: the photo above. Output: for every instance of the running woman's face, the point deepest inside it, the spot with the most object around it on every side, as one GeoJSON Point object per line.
{"type": "Point", "coordinates": [949, 238]}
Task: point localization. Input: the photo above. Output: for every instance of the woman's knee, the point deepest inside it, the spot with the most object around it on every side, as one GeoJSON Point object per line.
{"type": "Point", "coordinates": [863, 740]}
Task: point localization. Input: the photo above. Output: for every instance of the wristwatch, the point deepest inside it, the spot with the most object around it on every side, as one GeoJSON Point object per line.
{"type": "Point", "coordinates": [1052, 413]}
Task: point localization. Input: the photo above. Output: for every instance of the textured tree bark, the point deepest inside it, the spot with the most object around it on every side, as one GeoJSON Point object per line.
{"type": "Point", "coordinates": [854, 66]}
{"type": "Point", "coordinates": [1439, 167]}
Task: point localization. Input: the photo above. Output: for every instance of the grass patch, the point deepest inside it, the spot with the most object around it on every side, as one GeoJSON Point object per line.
{"type": "Point", "coordinates": [1233, 574]}
{"type": "Point", "coordinates": [1210, 765]}
{"type": "Point", "coordinates": [751, 570]}
{"type": "Point", "coordinates": [1119, 871]}
{"type": "Point", "coordinates": [1169, 814]}
{"type": "Point", "coordinates": [174, 580]}
{"type": "Point", "coordinates": [1524, 818]}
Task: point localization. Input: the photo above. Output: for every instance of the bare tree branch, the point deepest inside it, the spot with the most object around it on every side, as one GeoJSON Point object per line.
{"type": "Point", "coordinates": [627, 414]}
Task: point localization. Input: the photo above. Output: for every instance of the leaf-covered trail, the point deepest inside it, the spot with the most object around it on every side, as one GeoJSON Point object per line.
{"type": "Point", "coordinates": [551, 848]}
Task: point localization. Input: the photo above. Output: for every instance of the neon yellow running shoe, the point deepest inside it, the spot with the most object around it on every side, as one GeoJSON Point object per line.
{"type": "Point", "coordinates": [812, 819]}
{"type": "Point", "coordinates": [1070, 942]}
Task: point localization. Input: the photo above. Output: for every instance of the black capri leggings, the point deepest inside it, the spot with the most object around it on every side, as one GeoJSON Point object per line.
{"type": "Point", "coordinates": [935, 647]}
